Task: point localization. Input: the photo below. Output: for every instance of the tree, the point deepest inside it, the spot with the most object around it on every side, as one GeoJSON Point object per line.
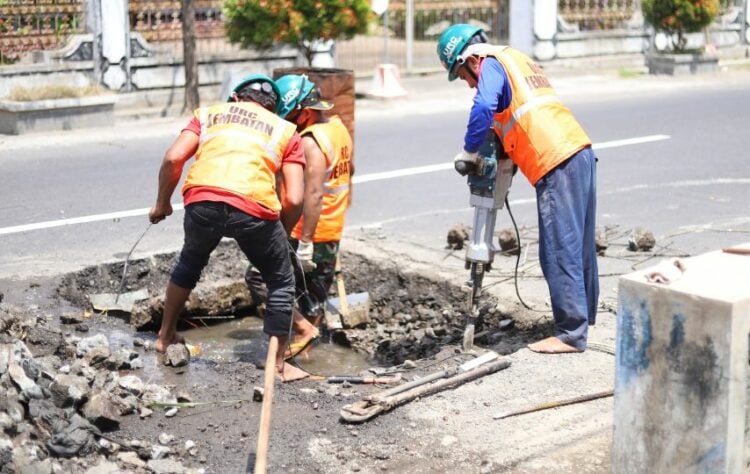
{"type": "Point", "coordinates": [301, 23]}
{"type": "Point", "coordinates": [679, 17]}
{"type": "Point", "coordinates": [192, 98]}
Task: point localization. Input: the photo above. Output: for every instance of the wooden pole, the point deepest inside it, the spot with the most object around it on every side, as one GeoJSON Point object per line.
{"type": "Point", "coordinates": [190, 59]}
{"type": "Point", "coordinates": [264, 431]}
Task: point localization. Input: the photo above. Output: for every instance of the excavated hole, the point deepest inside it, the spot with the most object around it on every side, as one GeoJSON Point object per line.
{"type": "Point", "coordinates": [412, 317]}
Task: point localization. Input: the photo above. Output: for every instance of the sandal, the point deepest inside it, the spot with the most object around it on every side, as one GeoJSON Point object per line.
{"type": "Point", "coordinates": [296, 348]}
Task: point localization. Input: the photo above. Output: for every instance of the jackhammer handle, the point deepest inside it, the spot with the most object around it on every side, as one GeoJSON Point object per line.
{"type": "Point", "coordinates": [463, 168]}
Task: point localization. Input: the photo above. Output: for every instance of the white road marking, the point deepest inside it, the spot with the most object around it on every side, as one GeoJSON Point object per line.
{"type": "Point", "coordinates": [357, 179]}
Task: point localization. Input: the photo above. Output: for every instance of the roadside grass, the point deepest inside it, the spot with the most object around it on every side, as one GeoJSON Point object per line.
{"type": "Point", "coordinates": [626, 73]}
{"type": "Point", "coordinates": [27, 94]}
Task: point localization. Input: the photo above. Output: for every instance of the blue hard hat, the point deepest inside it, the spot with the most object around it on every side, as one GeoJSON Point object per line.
{"type": "Point", "coordinates": [296, 91]}
{"type": "Point", "coordinates": [452, 42]}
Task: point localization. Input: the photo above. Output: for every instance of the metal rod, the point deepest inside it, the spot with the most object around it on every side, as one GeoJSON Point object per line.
{"type": "Point", "coordinates": [127, 261]}
{"type": "Point", "coordinates": [555, 404]}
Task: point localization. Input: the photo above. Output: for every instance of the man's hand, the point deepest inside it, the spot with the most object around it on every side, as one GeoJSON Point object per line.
{"type": "Point", "coordinates": [305, 256]}
{"type": "Point", "coordinates": [159, 212]}
{"type": "Point", "coordinates": [467, 163]}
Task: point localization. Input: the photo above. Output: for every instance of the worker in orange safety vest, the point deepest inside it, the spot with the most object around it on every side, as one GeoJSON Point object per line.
{"type": "Point", "coordinates": [540, 135]}
{"type": "Point", "coordinates": [230, 191]}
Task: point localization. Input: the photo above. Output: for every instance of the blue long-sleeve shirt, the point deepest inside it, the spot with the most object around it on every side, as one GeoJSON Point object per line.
{"type": "Point", "coordinates": [493, 95]}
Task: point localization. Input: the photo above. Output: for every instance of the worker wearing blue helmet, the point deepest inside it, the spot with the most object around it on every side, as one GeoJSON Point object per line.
{"type": "Point", "coordinates": [515, 99]}
{"type": "Point", "coordinates": [328, 153]}
{"type": "Point", "coordinates": [240, 147]}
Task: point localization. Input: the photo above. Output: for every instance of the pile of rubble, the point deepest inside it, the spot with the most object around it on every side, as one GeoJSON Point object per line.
{"type": "Point", "coordinates": [62, 396]}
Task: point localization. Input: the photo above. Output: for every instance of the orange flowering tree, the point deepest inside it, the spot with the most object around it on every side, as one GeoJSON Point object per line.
{"type": "Point", "coordinates": [263, 23]}
{"type": "Point", "coordinates": [679, 17]}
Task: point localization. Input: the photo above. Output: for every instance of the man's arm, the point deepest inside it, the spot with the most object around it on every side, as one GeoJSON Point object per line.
{"type": "Point", "coordinates": [315, 177]}
{"type": "Point", "coordinates": [293, 175]}
{"type": "Point", "coordinates": [493, 94]}
{"type": "Point", "coordinates": [169, 174]}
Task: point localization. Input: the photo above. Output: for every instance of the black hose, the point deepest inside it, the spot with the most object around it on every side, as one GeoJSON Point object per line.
{"type": "Point", "coordinates": [518, 259]}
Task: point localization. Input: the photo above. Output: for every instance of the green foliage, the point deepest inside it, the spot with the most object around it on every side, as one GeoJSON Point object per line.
{"type": "Point", "coordinates": [678, 17]}
{"type": "Point", "coordinates": [263, 23]}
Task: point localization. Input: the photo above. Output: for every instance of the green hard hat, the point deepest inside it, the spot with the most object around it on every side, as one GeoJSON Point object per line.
{"type": "Point", "coordinates": [453, 40]}
{"type": "Point", "coordinates": [262, 80]}
{"type": "Point", "coordinates": [296, 91]}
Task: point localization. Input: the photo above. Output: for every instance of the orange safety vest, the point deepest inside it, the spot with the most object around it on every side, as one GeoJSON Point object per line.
{"type": "Point", "coordinates": [538, 132]}
{"type": "Point", "coordinates": [336, 144]}
{"type": "Point", "coordinates": [241, 147]}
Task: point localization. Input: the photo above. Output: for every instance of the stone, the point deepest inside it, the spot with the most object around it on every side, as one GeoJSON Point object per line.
{"type": "Point", "coordinates": [177, 355]}
{"type": "Point", "coordinates": [6, 451]}
{"type": "Point", "coordinates": [74, 439]}
{"type": "Point", "coordinates": [4, 357]}
{"type": "Point", "coordinates": [136, 363]}
{"type": "Point", "coordinates": [171, 412]}
{"type": "Point", "coordinates": [165, 466]}
{"type": "Point", "coordinates": [85, 345]}
{"type": "Point", "coordinates": [159, 452]}
{"type": "Point", "coordinates": [457, 235]}
{"type": "Point", "coordinates": [506, 238]}
{"type": "Point", "coordinates": [156, 393]}
{"type": "Point", "coordinates": [131, 383]}
{"type": "Point", "coordinates": [120, 359]}
{"type": "Point", "coordinates": [165, 439]}
{"type": "Point", "coordinates": [104, 467]}
{"type": "Point", "coordinates": [100, 411]}
{"type": "Point", "coordinates": [97, 355]}
{"type": "Point", "coordinates": [601, 241]}
{"type": "Point", "coordinates": [29, 388]}
{"type": "Point", "coordinates": [145, 412]}
{"type": "Point", "coordinates": [257, 394]}
{"type": "Point", "coordinates": [183, 396]}
{"type": "Point", "coordinates": [189, 445]}
{"type": "Point", "coordinates": [641, 239]}
{"type": "Point", "coordinates": [69, 390]}
{"type": "Point", "coordinates": [131, 460]}
{"type": "Point", "coordinates": [71, 318]}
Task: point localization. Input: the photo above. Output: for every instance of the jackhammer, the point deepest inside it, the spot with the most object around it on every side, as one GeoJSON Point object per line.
{"type": "Point", "coordinates": [489, 184]}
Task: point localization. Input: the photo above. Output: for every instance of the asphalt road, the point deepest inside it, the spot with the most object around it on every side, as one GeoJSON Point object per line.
{"type": "Point", "coordinates": [696, 177]}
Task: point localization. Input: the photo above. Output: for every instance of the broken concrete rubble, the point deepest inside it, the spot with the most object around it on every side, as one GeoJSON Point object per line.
{"type": "Point", "coordinates": [457, 235]}
{"type": "Point", "coordinates": [641, 239]}
{"type": "Point", "coordinates": [54, 409]}
{"type": "Point", "coordinates": [177, 355]}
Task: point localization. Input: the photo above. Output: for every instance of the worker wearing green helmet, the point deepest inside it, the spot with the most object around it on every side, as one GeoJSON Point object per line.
{"type": "Point", "coordinates": [239, 147]}
{"type": "Point", "coordinates": [515, 99]}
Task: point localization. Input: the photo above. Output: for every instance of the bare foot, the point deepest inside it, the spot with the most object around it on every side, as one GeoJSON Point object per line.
{"type": "Point", "coordinates": [162, 343]}
{"type": "Point", "coordinates": [290, 373]}
{"type": "Point", "coordinates": [552, 345]}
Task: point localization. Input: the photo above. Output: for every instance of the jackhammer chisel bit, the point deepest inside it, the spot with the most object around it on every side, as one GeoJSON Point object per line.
{"type": "Point", "coordinates": [487, 194]}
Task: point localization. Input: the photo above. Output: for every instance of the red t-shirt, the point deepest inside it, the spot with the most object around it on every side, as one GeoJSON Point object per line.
{"type": "Point", "coordinates": [292, 154]}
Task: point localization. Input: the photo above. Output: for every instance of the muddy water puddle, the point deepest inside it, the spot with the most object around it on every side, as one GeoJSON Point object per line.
{"type": "Point", "coordinates": [243, 340]}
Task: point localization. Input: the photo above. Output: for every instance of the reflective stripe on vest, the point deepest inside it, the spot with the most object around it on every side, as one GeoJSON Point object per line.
{"type": "Point", "coordinates": [335, 143]}
{"type": "Point", "coordinates": [537, 131]}
{"type": "Point", "coordinates": [241, 145]}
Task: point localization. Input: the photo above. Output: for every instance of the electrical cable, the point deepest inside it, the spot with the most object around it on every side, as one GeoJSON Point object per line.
{"type": "Point", "coordinates": [518, 260]}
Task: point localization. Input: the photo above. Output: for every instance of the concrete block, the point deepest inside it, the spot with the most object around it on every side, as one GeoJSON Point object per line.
{"type": "Point", "coordinates": [681, 368]}
{"type": "Point", "coordinates": [58, 114]}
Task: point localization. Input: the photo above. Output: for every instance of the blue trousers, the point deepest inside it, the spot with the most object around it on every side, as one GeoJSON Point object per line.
{"type": "Point", "coordinates": [566, 201]}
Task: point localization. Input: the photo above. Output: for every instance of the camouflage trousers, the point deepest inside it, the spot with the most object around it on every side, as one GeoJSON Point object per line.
{"type": "Point", "coordinates": [311, 287]}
